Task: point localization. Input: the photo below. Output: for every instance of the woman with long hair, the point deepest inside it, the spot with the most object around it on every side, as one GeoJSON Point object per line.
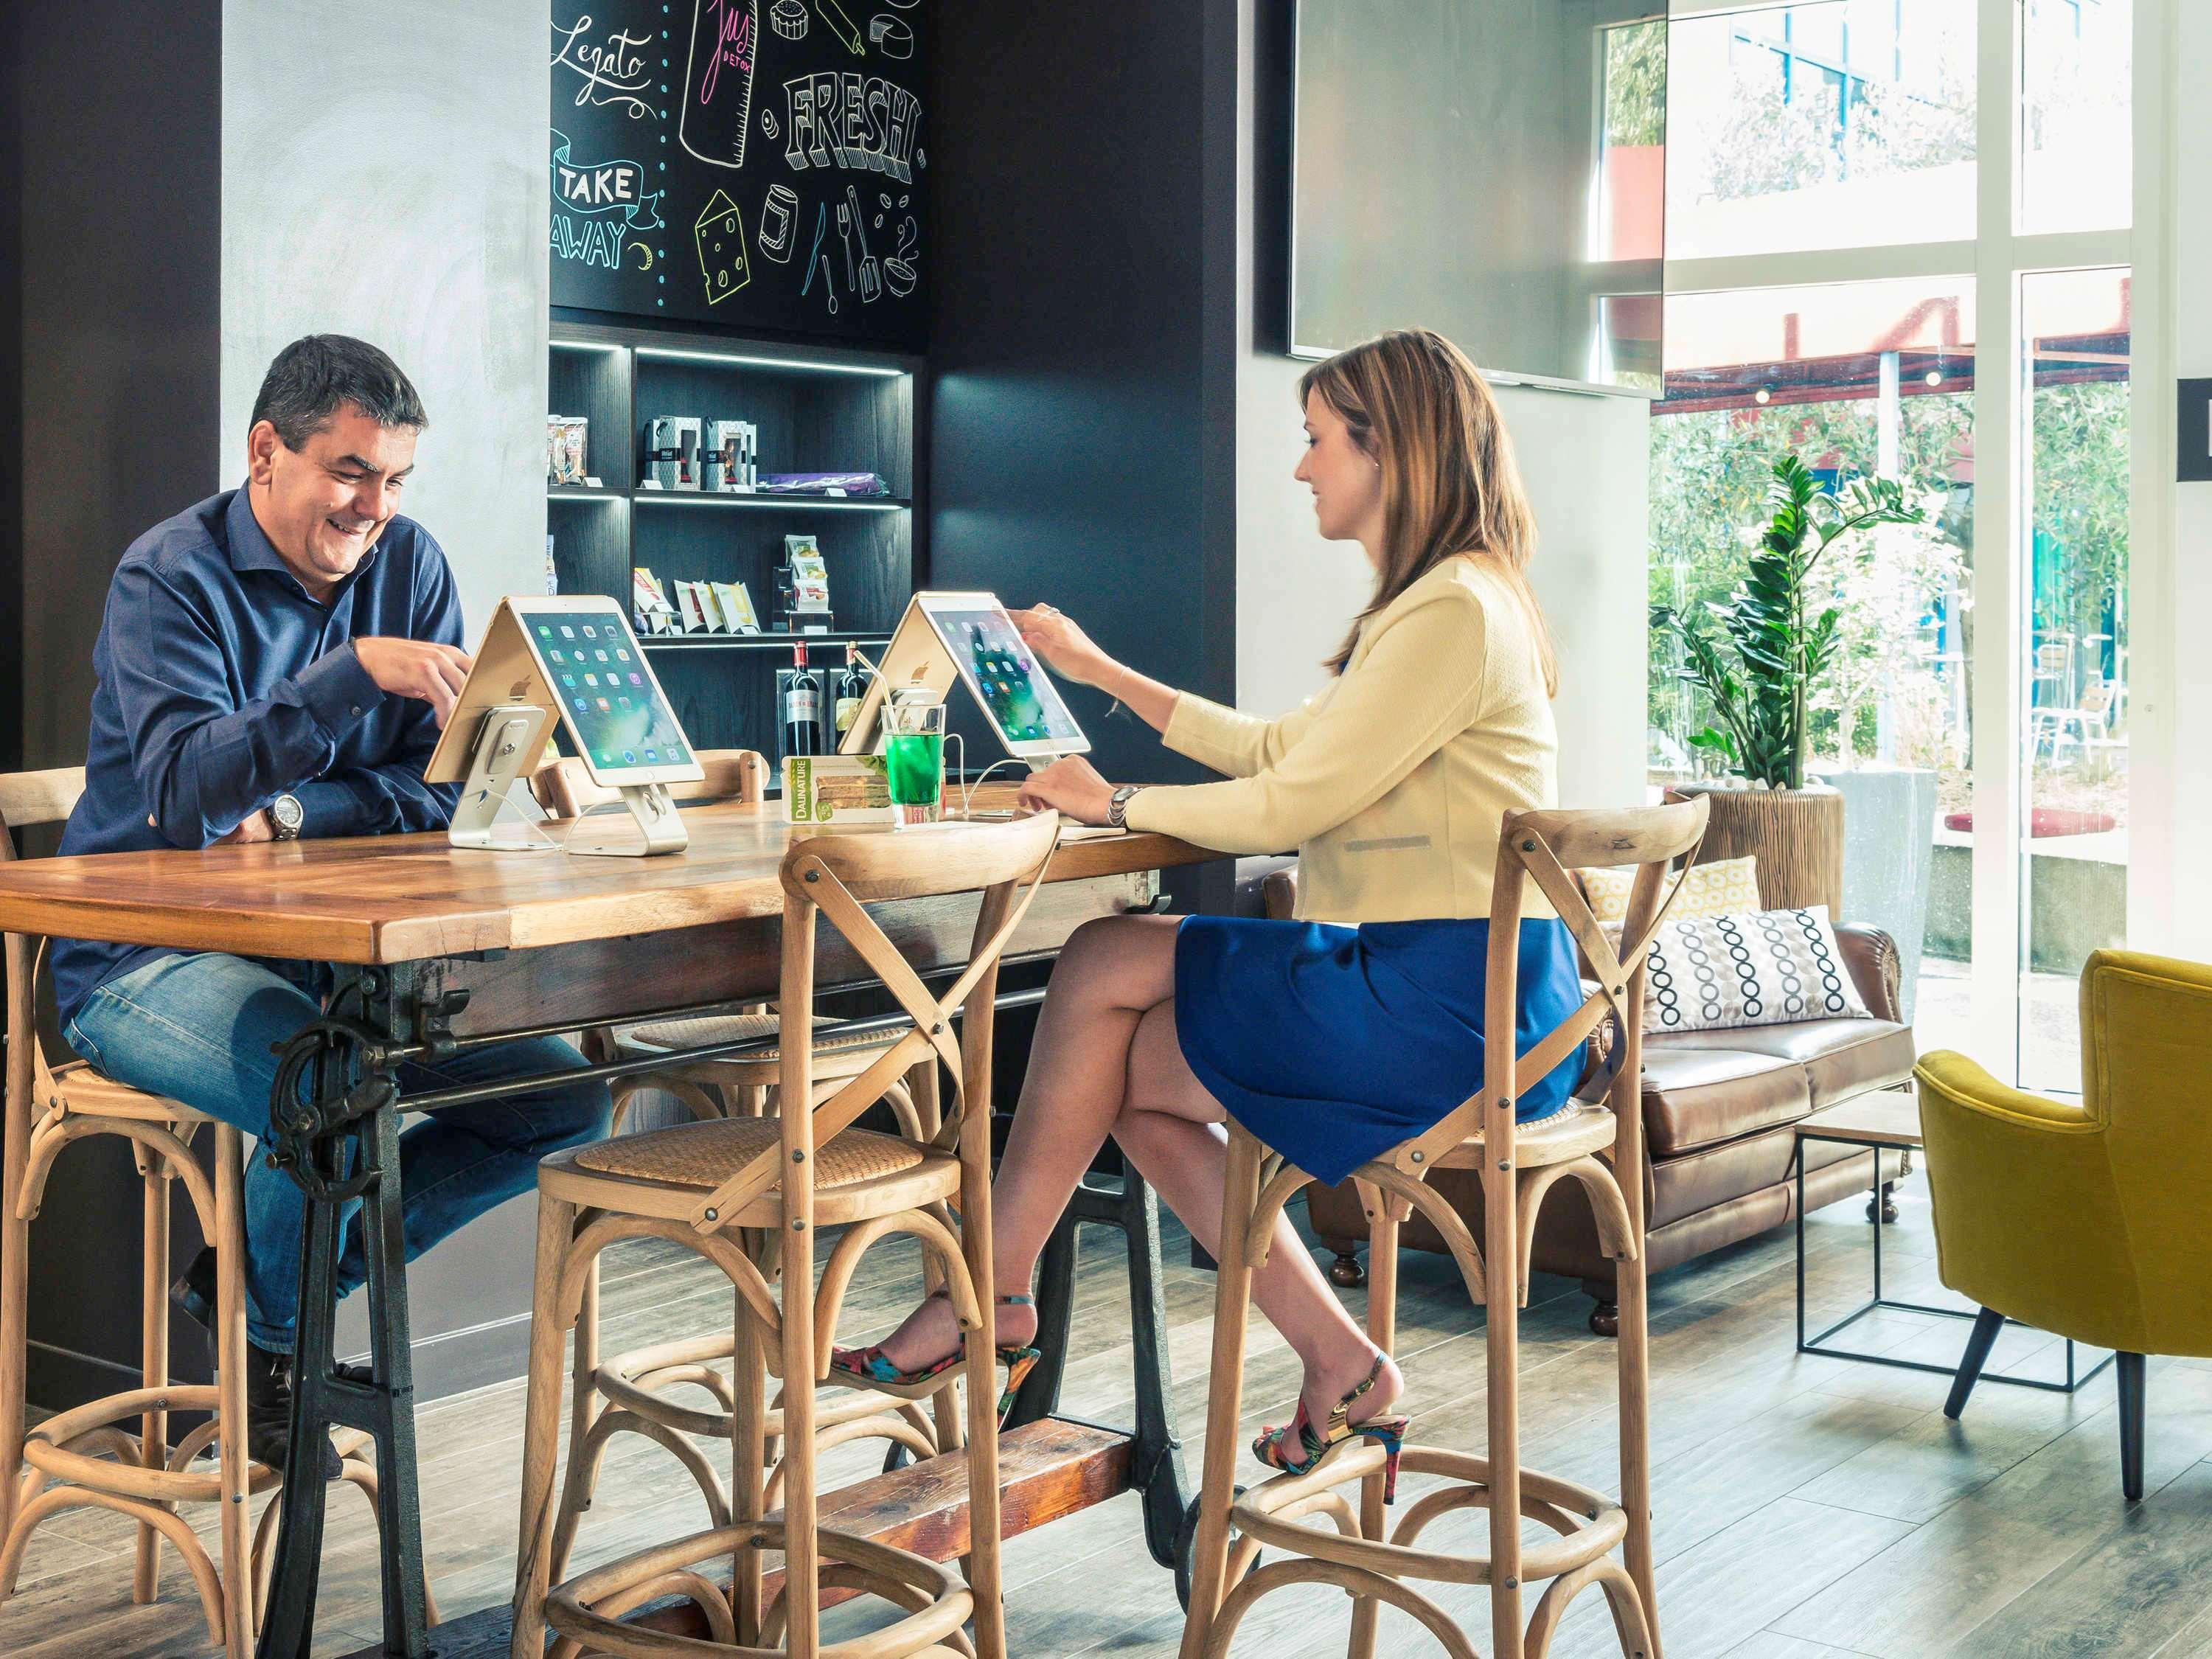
{"type": "Point", "coordinates": [1336, 1037]}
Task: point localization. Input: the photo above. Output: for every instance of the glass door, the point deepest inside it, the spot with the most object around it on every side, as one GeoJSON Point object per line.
{"type": "Point", "coordinates": [2073, 651]}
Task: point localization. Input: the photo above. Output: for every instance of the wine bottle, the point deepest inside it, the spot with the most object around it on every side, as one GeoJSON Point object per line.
{"type": "Point", "coordinates": [852, 687]}
{"type": "Point", "coordinates": [802, 707]}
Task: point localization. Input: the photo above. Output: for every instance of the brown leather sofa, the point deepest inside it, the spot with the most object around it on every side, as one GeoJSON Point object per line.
{"type": "Point", "coordinates": [1720, 1111]}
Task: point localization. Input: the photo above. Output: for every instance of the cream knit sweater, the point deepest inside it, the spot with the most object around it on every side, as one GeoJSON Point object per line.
{"type": "Point", "coordinates": [1392, 780]}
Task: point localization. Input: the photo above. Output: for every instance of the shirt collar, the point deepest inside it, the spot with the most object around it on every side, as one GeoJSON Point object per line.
{"type": "Point", "coordinates": [251, 550]}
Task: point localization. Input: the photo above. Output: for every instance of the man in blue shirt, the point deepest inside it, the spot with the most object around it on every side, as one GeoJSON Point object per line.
{"type": "Point", "coordinates": [275, 663]}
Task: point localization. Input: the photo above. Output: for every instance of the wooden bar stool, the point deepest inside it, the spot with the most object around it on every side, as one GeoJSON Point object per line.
{"type": "Point", "coordinates": [1601, 1145]}
{"type": "Point", "coordinates": [629, 1393]}
{"type": "Point", "coordinates": [706, 1185]}
{"type": "Point", "coordinates": [84, 1458]}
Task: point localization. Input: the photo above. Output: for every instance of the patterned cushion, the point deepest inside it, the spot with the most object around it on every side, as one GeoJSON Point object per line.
{"type": "Point", "coordinates": [1755, 967]}
{"type": "Point", "coordinates": [1727, 888]}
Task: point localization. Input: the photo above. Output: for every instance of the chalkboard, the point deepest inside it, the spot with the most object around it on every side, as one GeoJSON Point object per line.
{"type": "Point", "coordinates": [759, 164]}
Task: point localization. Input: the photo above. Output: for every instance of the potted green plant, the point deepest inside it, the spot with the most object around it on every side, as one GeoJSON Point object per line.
{"type": "Point", "coordinates": [1777, 634]}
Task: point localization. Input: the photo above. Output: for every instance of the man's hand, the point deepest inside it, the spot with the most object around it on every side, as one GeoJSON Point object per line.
{"type": "Point", "coordinates": [260, 826]}
{"type": "Point", "coordinates": [415, 668]}
{"type": "Point", "coordinates": [1072, 785]}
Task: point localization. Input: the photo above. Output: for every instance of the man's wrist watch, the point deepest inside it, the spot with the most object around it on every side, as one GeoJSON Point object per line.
{"type": "Point", "coordinates": [286, 815]}
{"type": "Point", "coordinates": [1118, 806]}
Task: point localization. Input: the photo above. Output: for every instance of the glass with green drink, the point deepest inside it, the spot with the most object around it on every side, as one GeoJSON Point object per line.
{"type": "Point", "coordinates": [914, 759]}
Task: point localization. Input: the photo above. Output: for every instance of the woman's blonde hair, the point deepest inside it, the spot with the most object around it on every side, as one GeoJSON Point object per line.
{"type": "Point", "coordinates": [1450, 484]}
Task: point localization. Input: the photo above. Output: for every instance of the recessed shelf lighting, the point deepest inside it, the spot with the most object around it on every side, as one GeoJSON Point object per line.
{"type": "Point", "coordinates": [584, 345]}
{"type": "Point", "coordinates": [701, 498]}
{"type": "Point", "coordinates": [663, 355]}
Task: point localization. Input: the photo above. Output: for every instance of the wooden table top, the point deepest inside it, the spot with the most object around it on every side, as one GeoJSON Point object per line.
{"type": "Point", "coordinates": [387, 899]}
{"type": "Point", "coordinates": [1890, 1117]}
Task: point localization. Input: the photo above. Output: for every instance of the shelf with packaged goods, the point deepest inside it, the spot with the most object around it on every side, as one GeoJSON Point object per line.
{"type": "Point", "coordinates": [756, 641]}
{"type": "Point", "coordinates": [816, 409]}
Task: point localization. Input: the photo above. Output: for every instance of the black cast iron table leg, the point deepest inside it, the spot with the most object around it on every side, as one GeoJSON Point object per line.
{"type": "Point", "coordinates": [362, 1159]}
{"type": "Point", "coordinates": [1155, 1448]}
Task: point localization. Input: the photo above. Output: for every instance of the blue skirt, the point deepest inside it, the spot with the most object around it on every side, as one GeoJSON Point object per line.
{"type": "Point", "coordinates": [1333, 1044]}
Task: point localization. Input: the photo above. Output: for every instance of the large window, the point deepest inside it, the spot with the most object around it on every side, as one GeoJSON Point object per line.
{"type": "Point", "coordinates": [1823, 159]}
{"type": "Point", "coordinates": [1845, 123]}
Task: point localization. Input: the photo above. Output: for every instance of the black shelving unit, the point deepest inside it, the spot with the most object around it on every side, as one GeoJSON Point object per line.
{"type": "Point", "coordinates": [777, 642]}
{"type": "Point", "coordinates": [819, 408]}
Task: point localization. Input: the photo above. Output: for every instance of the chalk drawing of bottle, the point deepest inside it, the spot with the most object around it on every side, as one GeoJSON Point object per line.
{"type": "Point", "coordinates": [717, 104]}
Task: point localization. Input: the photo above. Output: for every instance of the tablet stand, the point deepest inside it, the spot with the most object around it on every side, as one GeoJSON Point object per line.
{"type": "Point", "coordinates": [655, 810]}
{"type": "Point", "coordinates": [510, 737]}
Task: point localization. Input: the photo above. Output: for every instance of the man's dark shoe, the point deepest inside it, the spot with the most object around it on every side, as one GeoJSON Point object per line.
{"type": "Point", "coordinates": [268, 1375]}
{"type": "Point", "coordinates": [194, 1291]}
{"type": "Point", "coordinates": [269, 1412]}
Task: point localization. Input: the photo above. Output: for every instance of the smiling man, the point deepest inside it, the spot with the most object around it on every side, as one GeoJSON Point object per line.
{"type": "Point", "coordinates": [275, 663]}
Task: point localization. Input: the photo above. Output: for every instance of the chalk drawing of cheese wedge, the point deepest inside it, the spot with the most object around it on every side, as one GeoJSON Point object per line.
{"type": "Point", "coordinates": [720, 234]}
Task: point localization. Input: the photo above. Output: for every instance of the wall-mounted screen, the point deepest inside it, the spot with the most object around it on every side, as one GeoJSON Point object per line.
{"type": "Point", "coordinates": [1492, 169]}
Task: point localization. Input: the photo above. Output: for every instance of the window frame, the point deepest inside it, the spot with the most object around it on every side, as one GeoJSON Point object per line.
{"type": "Point", "coordinates": [1998, 257]}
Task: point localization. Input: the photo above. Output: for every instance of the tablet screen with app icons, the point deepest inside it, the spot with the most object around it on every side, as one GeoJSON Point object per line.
{"type": "Point", "coordinates": [609, 700]}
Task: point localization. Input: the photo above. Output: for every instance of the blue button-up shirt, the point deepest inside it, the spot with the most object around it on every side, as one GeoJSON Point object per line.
{"type": "Point", "coordinates": [223, 685]}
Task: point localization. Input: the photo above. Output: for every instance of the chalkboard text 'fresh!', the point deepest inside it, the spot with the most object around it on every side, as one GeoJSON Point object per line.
{"type": "Point", "coordinates": [846, 119]}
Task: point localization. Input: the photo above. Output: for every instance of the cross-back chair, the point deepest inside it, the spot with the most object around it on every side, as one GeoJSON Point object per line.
{"type": "Point", "coordinates": [639, 1391]}
{"type": "Point", "coordinates": [708, 1184]}
{"type": "Point", "coordinates": [84, 1457]}
{"type": "Point", "coordinates": [1597, 1139]}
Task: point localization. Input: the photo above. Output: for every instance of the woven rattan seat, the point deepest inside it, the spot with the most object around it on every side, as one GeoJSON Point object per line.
{"type": "Point", "coordinates": [705, 1155]}
{"type": "Point", "coordinates": [85, 1091]}
{"type": "Point", "coordinates": [1576, 1130]}
{"type": "Point", "coordinates": [738, 1028]}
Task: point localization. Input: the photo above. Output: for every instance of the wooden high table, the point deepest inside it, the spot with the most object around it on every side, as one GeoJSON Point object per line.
{"type": "Point", "coordinates": [437, 949]}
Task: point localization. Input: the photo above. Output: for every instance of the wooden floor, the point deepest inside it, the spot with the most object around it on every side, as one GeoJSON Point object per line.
{"type": "Point", "coordinates": [1806, 1507]}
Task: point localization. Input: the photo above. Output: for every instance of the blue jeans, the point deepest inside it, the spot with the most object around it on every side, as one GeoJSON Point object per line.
{"type": "Point", "coordinates": [200, 1028]}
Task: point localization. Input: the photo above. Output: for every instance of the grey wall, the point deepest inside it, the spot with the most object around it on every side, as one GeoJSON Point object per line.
{"type": "Point", "coordinates": [110, 326]}
{"type": "Point", "coordinates": [408, 205]}
{"type": "Point", "coordinates": [387, 178]}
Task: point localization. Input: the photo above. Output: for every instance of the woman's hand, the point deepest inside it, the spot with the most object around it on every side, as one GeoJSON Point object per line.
{"type": "Point", "coordinates": [1067, 649]}
{"type": "Point", "coordinates": [1070, 785]}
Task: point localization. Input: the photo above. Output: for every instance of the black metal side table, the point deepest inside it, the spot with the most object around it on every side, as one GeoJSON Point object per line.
{"type": "Point", "coordinates": [1890, 1122]}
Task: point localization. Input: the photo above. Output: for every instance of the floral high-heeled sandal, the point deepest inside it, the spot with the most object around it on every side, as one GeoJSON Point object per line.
{"type": "Point", "coordinates": [1273, 1447]}
{"type": "Point", "coordinates": [869, 1368]}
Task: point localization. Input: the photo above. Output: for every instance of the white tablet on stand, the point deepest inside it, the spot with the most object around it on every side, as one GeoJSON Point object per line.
{"type": "Point", "coordinates": [576, 660]}
{"type": "Point", "coordinates": [969, 637]}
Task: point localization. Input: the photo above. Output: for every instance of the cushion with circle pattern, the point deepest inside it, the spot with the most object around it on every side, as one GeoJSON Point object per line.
{"type": "Point", "coordinates": [1755, 967]}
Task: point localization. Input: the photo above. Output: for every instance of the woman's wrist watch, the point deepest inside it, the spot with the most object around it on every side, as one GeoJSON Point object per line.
{"type": "Point", "coordinates": [1118, 806]}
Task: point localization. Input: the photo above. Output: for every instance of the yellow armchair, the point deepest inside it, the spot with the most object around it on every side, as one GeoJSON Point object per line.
{"type": "Point", "coordinates": [2092, 1221]}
